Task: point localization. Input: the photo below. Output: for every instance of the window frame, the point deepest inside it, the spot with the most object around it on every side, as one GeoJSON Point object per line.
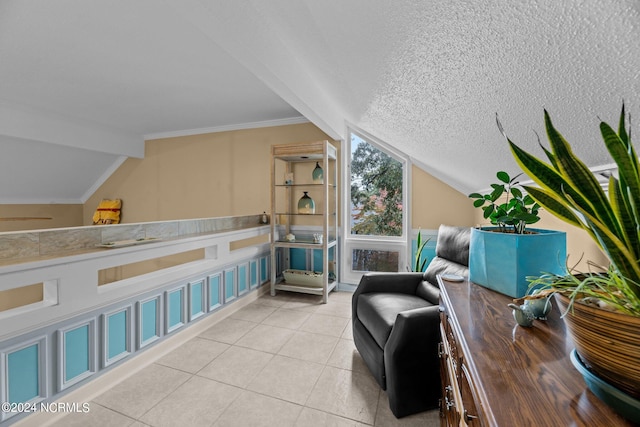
{"type": "Point", "coordinates": [357, 241]}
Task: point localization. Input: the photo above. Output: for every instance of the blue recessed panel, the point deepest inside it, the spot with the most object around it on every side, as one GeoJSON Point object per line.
{"type": "Point", "coordinates": [317, 260]}
{"type": "Point", "coordinates": [253, 274]}
{"type": "Point", "coordinates": [117, 337]}
{"type": "Point", "coordinates": [298, 258]}
{"type": "Point", "coordinates": [229, 285]}
{"type": "Point", "coordinates": [76, 352]}
{"type": "Point", "coordinates": [214, 291]}
{"type": "Point", "coordinates": [23, 374]}
{"type": "Point", "coordinates": [175, 308]}
{"type": "Point", "coordinates": [149, 318]}
{"type": "Point", "coordinates": [243, 286]}
{"type": "Point", "coordinates": [263, 270]}
{"type": "Point", "coordinates": [197, 302]}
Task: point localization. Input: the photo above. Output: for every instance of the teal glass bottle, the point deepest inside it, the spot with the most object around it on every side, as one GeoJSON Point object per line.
{"type": "Point", "coordinates": [317, 174]}
{"type": "Point", "coordinates": [306, 205]}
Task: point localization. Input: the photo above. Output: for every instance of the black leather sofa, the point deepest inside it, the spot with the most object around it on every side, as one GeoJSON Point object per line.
{"type": "Point", "coordinates": [396, 325]}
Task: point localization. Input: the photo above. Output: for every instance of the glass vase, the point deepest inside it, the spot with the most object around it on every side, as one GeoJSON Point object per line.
{"type": "Point", "coordinates": [317, 174]}
{"type": "Point", "coordinates": [306, 205]}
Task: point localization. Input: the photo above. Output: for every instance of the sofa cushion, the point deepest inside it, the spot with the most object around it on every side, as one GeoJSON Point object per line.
{"type": "Point", "coordinates": [453, 244]}
{"type": "Point", "coordinates": [443, 266]}
{"type": "Point", "coordinates": [429, 292]}
{"type": "Point", "coordinates": [378, 312]}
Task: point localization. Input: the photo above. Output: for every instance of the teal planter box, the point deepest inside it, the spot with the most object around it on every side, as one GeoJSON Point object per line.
{"type": "Point", "coordinates": [503, 261]}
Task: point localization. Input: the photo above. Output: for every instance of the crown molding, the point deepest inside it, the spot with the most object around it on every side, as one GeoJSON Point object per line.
{"type": "Point", "coordinates": [227, 128]}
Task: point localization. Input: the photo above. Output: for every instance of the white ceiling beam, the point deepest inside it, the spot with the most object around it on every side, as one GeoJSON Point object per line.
{"type": "Point", "coordinates": [20, 121]}
{"type": "Point", "coordinates": [256, 46]}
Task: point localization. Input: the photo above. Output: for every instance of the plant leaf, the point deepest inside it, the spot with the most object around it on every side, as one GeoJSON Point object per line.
{"type": "Point", "coordinates": [580, 177]}
{"type": "Point", "coordinates": [547, 177]}
{"type": "Point", "coordinates": [503, 176]}
{"type": "Point", "coordinates": [554, 204]}
{"type": "Point", "coordinates": [516, 193]}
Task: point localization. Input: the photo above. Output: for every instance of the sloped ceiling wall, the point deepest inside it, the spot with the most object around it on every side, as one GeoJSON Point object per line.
{"type": "Point", "coordinates": [429, 77]}
{"type": "Point", "coordinates": [426, 77]}
{"type": "Point", "coordinates": [91, 80]}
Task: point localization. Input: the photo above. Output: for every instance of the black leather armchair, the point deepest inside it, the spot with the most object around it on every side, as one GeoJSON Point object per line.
{"type": "Point", "coordinates": [396, 325]}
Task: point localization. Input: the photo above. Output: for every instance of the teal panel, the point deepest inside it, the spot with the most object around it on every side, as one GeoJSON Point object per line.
{"type": "Point", "coordinates": [214, 291]}
{"type": "Point", "coordinates": [263, 269]}
{"type": "Point", "coordinates": [149, 319]}
{"type": "Point", "coordinates": [117, 337]}
{"type": "Point", "coordinates": [23, 372]}
{"type": "Point", "coordinates": [253, 274]}
{"type": "Point", "coordinates": [76, 352]}
{"type": "Point", "coordinates": [175, 308]}
{"type": "Point", "coordinates": [196, 298]}
{"type": "Point", "coordinates": [317, 260]}
{"type": "Point", "coordinates": [229, 279]}
{"type": "Point", "coordinates": [242, 278]}
{"type": "Point", "coordinates": [298, 259]}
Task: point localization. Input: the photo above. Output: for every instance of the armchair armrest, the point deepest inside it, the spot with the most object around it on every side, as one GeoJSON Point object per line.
{"type": "Point", "coordinates": [403, 283]}
{"type": "Point", "coordinates": [411, 361]}
{"type": "Point", "coordinates": [414, 329]}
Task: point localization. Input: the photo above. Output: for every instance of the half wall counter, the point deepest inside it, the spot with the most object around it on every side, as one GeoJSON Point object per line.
{"type": "Point", "coordinates": [74, 302]}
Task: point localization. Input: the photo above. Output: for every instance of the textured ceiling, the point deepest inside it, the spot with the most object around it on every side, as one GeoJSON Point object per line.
{"type": "Point", "coordinates": [426, 77]}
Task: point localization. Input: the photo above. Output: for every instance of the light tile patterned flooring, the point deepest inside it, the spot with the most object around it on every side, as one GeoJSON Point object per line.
{"type": "Point", "coordinates": [287, 360]}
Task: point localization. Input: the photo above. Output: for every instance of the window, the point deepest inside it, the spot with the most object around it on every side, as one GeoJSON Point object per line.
{"type": "Point", "coordinates": [376, 239]}
{"type": "Point", "coordinates": [376, 190]}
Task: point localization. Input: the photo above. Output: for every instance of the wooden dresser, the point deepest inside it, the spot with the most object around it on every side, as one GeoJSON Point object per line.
{"type": "Point", "coordinates": [496, 373]}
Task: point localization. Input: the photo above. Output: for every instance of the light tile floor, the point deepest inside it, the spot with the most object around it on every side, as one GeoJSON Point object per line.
{"type": "Point", "coordinates": [287, 360]}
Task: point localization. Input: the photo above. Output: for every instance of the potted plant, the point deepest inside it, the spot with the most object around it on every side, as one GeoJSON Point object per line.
{"type": "Point", "coordinates": [516, 211]}
{"type": "Point", "coordinates": [419, 261]}
{"type": "Point", "coordinates": [502, 257]}
{"type": "Point", "coordinates": [601, 308]}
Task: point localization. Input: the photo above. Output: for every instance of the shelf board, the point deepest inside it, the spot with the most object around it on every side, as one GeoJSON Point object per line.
{"type": "Point", "coordinates": [284, 286]}
{"type": "Point", "coordinates": [303, 244]}
{"type": "Point", "coordinates": [304, 185]}
{"type": "Point", "coordinates": [304, 152]}
{"type": "Point", "coordinates": [303, 214]}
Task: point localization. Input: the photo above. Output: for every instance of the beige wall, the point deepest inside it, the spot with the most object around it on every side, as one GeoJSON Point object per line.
{"type": "Point", "coordinates": [208, 175]}
{"type": "Point", "coordinates": [63, 215]}
{"type": "Point", "coordinates": [227, 173]}
{"type": "Point", "coordinates": [435, 203]}
{"type": "Point", "coordinates": [581, 249]}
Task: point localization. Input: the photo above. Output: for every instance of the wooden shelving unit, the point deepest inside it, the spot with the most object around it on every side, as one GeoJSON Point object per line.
{"type": "Point", "coordinates": [299, 160]}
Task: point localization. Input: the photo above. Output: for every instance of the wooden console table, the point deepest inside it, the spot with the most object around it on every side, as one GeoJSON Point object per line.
{"type": "Point", "coordinates": [496, 373]}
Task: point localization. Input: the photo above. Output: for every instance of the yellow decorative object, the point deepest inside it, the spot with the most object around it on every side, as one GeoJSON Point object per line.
{"type": "Point", "coordinates": [108, 212]}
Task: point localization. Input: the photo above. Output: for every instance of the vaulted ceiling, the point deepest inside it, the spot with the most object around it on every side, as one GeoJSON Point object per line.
{"type": "Point", "coordinates": [83, 84]}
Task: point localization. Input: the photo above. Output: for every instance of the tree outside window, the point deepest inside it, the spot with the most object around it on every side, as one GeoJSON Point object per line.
{"type": "Point", "coordinates": [376, 191]}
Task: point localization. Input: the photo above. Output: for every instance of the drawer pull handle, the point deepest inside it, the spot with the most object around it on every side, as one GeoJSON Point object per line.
{"type": "Point", "coordinates": [449, 403]}
{"type": "Point", "coordinates": [468, 417]}
{"type": "Point", "coordinates": [440, 349]}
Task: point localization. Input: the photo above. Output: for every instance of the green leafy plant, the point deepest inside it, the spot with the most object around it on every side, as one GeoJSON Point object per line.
{"type": "Point", "coordinates": [419, 264]}
{"type": "Point", "coordinates": [517, 209]}
{"type": "Point", "coordinates": [607, 290]}
{"type": "Point", "coordinates": [571, 192]}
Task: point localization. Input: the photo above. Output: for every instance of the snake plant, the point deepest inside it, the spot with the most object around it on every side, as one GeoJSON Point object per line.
{"type": "Point", "coordinates": [570, 191]}
{"type": "Point", "coordinates": [419, 263]}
